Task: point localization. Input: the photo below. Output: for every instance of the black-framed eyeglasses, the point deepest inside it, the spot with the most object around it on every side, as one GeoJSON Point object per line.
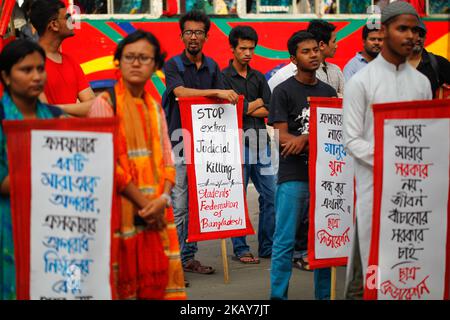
{"type": "Point", "coordinates": [130, 58]}
{"type": "Point", "coordinates": [198, 33]}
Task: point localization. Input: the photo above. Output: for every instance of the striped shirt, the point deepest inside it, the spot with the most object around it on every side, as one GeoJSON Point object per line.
{"type": "Point", "coordinates": [354, 65]}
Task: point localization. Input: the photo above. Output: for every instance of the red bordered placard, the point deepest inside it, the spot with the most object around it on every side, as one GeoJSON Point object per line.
{"type": "Point", "coordinates": [19, 158]}
{"type": "Point", "coordinates": [314, 261]}
{"type": "Point", "coordinates": [194, 233]}
{"type": "Point", "coordinates": [433, 109]}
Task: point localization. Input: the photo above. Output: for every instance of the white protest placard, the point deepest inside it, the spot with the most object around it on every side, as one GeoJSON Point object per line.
{"type": "Point", "coordinates": [413, 217]}
{"type": "Point", "coordinates": [213, 152]}
{"type": "Point", "coordinates": [218, 168]}
{"type": "Point", "coordinates": [332, 193]}
{"type": "Point", "coordinates": [71, 197]}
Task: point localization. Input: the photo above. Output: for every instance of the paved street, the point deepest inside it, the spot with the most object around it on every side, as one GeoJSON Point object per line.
{"type": "Point", "coordinates": [247, 282]}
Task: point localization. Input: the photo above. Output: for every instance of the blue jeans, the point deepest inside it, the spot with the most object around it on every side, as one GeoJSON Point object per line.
{"type": "Point", "coordinates": [258, 167]}
{"type": "Point", "coordinates": [291, 203]}
{"type": "Point", "coordinates": [180, 211]}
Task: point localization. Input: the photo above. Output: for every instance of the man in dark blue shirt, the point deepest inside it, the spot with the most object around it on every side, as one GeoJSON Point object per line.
{"type": "Point", "coordinates": [253, 85]}
{"type": "Point", "coordinates": [190, 74]}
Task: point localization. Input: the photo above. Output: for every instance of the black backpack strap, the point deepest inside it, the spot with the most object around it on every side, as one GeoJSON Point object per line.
{"type": "Point", "coordinates": [112, 95]}
{"type": "Point", "coordinates": [434, 65]}
{"type": "Point", "coordinates": [211, 65]}
{"type": "Point", "coordinates": [165, 96]}
{"type": "Point", "coordinates": [180, 64]}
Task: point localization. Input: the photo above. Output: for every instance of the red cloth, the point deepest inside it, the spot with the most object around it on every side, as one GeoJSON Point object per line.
{"type": "Point", "coordinates": [64, 81]}
{"type": "Point", "coordinates": [171, 8]}
{"type": "Point", "coordinates": [419, 5]}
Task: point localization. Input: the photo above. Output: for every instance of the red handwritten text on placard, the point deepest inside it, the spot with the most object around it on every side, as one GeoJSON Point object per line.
{"type": "Point", "coordinates": [418, 291]}
{"type": "Point", "coordinates": [412, 170]}
{"type": "Point", "coordinates": [336, 167]}
{"type": "Point", "coordinates": [331, 240]}
{"type": "Point", "coordinates": [333, 223]}
{"type": "Point", "coordinates": [407, 273]}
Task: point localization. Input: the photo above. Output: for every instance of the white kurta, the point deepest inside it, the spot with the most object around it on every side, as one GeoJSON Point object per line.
{"type": "Point", "coordinates": [379, 82]}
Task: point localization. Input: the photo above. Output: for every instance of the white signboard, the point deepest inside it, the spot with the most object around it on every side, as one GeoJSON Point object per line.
{"type": "Point", "coordinates": [218, 167]}
{"type": "Point", "coordinates": [413, 218]}
{"type": "Point", "coordinates": [72, 185]}
{"type": "Point", "coordinates": [334, 188]}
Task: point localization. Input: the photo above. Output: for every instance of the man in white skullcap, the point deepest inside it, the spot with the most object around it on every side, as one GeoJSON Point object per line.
{"type": "Point", "coordinates": [388, 78]}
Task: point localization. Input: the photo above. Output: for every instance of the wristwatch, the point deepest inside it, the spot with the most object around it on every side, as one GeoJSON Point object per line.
{"type": "Point", "coordinates": [167, 198]}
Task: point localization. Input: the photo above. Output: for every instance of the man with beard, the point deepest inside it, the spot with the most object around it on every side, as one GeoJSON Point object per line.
{"type": "Point", "coordinates": [289, 113]}
{"type": "Point", "coordinates": [66, 82]}
{"type": "Point", "coordinates": [388, 78]}
{"type": "Point", "coordinates": [190, 74]}
{"type": "Point", "coordinates": [372, 42]}
{"type": "Point", "coordinates": [434, 67]}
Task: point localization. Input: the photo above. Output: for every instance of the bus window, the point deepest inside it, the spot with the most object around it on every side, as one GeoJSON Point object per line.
{"type": "Point", "coordinates": [131, 6]}
{"type": "Point", "coordinates": [354, 6]}
{"type": "Point", "coordinates": [92, 6]}
{"type": "Point", "coordinates": [438, 7]}
{"type": "Point", "coordinates": [280, 6]}
{"type": "Point", "coordinates": [215, 7]}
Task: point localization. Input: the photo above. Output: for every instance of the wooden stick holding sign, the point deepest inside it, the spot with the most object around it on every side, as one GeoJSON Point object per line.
{"type": "Point", "coordinates": [212, 138]}
{"type": "Point", "coordinates": [333, 284]}
{"type": "Point", "coordinates": [226, 277]}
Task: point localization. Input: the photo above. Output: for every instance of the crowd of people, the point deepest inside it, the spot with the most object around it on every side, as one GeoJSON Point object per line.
{"type": "Point", "coordinates": [153, 256]}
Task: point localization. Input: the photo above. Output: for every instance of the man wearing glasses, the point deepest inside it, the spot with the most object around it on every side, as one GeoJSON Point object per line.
{"type": "Point", "coordinates": [190, 74]}
{"type": "Point", "coordinates": [66, 82]}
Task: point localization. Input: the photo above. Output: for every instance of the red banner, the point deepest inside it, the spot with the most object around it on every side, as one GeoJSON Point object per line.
{"type": "Point", "coordinates": [410, 246]}
{"type": "Point", "coordinates": [57, 136]}
{"type": "Point", "coordinates": [213, 153]}
{"type": "Point", "coordinates": [331, 213]}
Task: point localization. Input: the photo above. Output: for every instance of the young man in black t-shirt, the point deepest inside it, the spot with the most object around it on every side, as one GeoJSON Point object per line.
{"type": "Point", "coordinates": [289, 113]}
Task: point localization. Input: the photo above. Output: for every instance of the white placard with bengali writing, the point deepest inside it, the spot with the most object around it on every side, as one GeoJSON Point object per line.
{"type": "Point", "coordinates": [334, 188]}
{"type": "Point", "coordinates": [218, 167]}
{"type": "Point", "coordinates": [71, 199]}
{"type": "Point", "coordinates": [413, 217]}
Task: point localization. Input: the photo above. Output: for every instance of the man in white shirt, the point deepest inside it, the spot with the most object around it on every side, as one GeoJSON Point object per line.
{"type": "Point", "coordinates": [325, 34]}
{"type": "Point", "coordinates": [388, 78]}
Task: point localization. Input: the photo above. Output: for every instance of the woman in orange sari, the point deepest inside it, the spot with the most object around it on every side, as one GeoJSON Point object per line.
{"type": "Point", "coordinates": [146, 262]}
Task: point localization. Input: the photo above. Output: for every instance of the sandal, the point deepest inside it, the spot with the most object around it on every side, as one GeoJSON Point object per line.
{"type": "Point", "coordinates": [246, 258]}
{"type": "Point", "coordinates": [196, 267]}
{"type": "Point", "coordinates": [301, 264]}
